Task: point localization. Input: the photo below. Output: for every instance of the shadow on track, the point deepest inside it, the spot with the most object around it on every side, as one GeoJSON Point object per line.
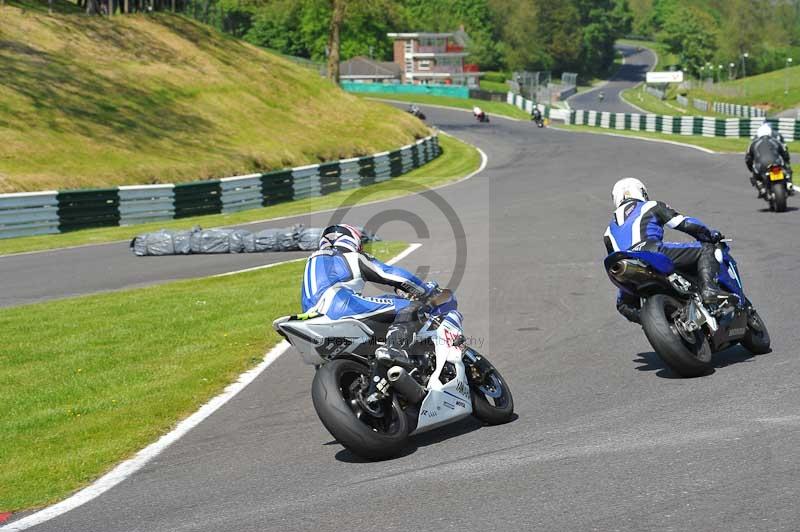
{"type": "Point", "coordinates": [650, 361]}
{"type": "Point", "coordinates": [447, 432]}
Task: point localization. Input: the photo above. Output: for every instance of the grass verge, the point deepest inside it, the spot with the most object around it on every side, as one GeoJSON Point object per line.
{"type": "Point", "coordinates": [81, 393]}
{"type": "Point", "coordinates": [773, 91]}
{"type": "Point", "coordinates": [500, 108]}
{"type": "Point", "coordinates": [720, 145]}
{"type": "Point", "coordinates": [640, 98]}
{"type": "Point", "coordinates": [457, 160]}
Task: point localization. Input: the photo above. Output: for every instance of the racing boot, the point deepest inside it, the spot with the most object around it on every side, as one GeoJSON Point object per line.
{"type": "Point", "coordinates": [762, 191]}
{"type": "Point", "coordinates": [707, 270]}
{"type": "Point", "coordinates": [394, 352]}
{"type": "Point", "coordinates": [789, 182]}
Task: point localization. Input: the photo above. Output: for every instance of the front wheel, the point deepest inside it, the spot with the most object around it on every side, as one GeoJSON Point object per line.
{"type": "Point", "coordinates": [756, 339]}
{"type": "Point", "coordinates": [686, 353]}
{"type": "Point", "coordinates": [492, 401]}
{"type": "Point", "coordinates": [371, 430]}
{"type": "Point", "coordinates": [779, 192]}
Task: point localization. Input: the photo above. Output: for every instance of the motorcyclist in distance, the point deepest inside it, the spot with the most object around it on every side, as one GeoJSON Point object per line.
{"type": "Point", "coordinates": [764, 146]}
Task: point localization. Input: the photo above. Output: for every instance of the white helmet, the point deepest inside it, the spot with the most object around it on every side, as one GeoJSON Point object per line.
{"type": "Point", "coordinates": [764, 130]}
{"type": "Point", "coordinates": [628, 188]}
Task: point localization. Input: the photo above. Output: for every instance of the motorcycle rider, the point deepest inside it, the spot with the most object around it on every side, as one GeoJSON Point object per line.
{"type": "Point", "coordinates": [638, 225]}
{"type": "Point", "coordinates": [536, 114]}
{"type": "Point", "coordinates": [478, 113]}
{"type": "Point", "coordinates": [765, 145]}
{"type": "Point", "coordinates": [336, 274]}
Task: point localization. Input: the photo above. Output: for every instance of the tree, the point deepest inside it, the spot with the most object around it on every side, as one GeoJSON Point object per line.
{"type": "Point", "coordinates": [691, 35]}
{"type": "Point", "coordinates": [337, 17]}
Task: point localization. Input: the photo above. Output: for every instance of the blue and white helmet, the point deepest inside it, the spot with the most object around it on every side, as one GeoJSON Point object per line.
{"type": "Point", "coordinates": [342, 237]}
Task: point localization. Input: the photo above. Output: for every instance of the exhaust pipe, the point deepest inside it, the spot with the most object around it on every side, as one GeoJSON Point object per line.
{"type": "Point", "coordinates": [626, 269]}
{"type": "Point", "coordinates": [405, 384]}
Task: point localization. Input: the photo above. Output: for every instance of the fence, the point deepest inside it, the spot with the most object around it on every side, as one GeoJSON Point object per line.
{"type": "Point", "coordinates": [37, 213]}
{"type": "Point", "coordinates": [685, 125]}
{"type": "Point", "coordinates": [655, 92]}
{"type": "Point", "coordinates": [527, 106]}
{"type": "Point", "coordinates": [454, 91]}
{"type": "Point", "coordinates": [738, 110]}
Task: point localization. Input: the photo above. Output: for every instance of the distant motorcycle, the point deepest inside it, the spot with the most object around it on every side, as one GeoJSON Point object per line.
{"type": "Point", "coordinates": [683, 331]}
{"type": "Point", "coordinates": [415, 111]}
{"type": "Point", "coordinates": [536, 116]}
{"type": "Point", "coordinates": [482, 117]}
{"type": "Point", "coordinates": [601, 96]}
{"type": "Point", "coordinates": [776, 182]}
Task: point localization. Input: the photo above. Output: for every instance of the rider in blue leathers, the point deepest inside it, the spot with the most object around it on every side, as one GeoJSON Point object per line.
{"type": "Point", "coordinates": [638, 224]}
{"type": "Point", "coordinates": [336, 274]}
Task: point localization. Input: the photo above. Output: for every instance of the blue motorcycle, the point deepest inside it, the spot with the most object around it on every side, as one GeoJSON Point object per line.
{"type": "Point", "coordinates": [683, 331]}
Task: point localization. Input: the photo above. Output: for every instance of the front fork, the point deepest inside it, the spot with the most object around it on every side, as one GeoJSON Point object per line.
{"type": "Point", "coordinates": [478, 368]}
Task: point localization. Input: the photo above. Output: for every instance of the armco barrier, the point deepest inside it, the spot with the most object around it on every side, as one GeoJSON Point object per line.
{"type": "Point", "coordinates": [685, 125]}
{"type": "Point", "coordinates": [527, 106]}
{"type": "Point", "coordinates": [37, 213]}
{"type": "Point", "coordinates": [28, 214]}
{"type": "Point", "coordinates": [738, 110]}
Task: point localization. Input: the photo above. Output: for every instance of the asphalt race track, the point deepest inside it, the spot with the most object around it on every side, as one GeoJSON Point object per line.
{"type": "Point", "coordinates": [606, 438]}
{"type": "Point", "coordinates": [637, 63]}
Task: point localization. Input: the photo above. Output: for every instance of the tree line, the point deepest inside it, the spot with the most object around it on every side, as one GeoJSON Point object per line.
{"type": "Point", "coordinates": [713, 32]}
{"type": "Point", "coordinates": [506, 35]}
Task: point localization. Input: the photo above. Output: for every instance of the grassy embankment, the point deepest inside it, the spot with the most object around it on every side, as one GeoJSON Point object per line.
{"type": "Point", "coordinates": [456, 161]}
{"type": "Point", "coordinates": [97, 101]}
{"type": "Point", "coordinates": [86, 382]}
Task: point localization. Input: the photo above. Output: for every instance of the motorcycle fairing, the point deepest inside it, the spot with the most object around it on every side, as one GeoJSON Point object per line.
{"type": "Point", "coordinates": [728, 277]}
{"type": "Point", "coordinates": [320, 339]}
{"type": "Point", "coordinates": [445, 402]}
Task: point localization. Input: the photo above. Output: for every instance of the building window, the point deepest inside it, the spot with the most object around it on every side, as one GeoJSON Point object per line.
{"type": "Point", "coordinates": [425, 64]}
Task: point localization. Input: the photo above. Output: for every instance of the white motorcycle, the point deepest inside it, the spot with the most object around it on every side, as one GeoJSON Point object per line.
{"type": "Point", "coordinates": [444, 379]}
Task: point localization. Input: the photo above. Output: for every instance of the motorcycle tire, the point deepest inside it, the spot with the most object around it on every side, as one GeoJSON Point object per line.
{"type": "Point", "coordinates": [687, 359]}
{"type": "Point", "coordinates": [373, 438]}
{"type": "Point", "coordinates": [488, 408]}
{"type": "Point", "coordinates": [780, 193]}
{"type": "Point", "coordinates": [756, 339]}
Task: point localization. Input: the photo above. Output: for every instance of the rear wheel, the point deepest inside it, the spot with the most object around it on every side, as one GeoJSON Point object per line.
{"type": "Point", "coordinates": [492, 401]}
{"type": "Point", "coordinates": [780, 193]}
{"type": "Point", "coordinates": [756, 339]}
{"type": "Point", "coordinates": [687, 353]}
{"type": "Point", "coordinates": [370, 430]}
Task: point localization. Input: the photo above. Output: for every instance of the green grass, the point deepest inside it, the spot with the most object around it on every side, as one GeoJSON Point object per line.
{"type": "Point", "coordinates": [717, 144]}
{"type": "Point", "coordinates": [494, 86]}
{"type": "Point", "coordinates": [500, 108]}
{"type": "Point", "coordinates": [135, 99]}
{"type": "Point", "coordinates": [643, 99]}
{"type": "Point", "coordinates": [763, 90]}
{"type": "Point", "coordinates": [457, 160]}
{"type": "Point", "coordinates": [104, 375]}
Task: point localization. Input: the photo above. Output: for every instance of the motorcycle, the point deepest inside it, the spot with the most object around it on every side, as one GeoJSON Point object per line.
{"type": "Point", "coordinates": [538, 119]}
{"type": "Point", "coordinates": [443, 380]}
{"type": "Point", "coordinates": [683, 331]}
{"type": "Point", "coordinates": [776, 184]}
{"type": "Point", "coordinates": [415, 111]}
{"type": "Point", "coordinates": [600, 96]}
{"type": "Point", "coordinates": [482, 117]}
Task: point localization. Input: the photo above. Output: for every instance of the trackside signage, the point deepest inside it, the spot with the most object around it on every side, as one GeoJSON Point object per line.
{"type": "Point", "coordinates": [665, 77]}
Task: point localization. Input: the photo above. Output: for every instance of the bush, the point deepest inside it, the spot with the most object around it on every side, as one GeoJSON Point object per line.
{"type": "Point", "coordinates": [496, 77]}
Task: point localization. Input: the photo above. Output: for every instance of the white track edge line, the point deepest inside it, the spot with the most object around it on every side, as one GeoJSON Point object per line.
{"type": "Point", "coordinates": [132, 465]}
{"type": "Point", "coordinates": [256, 268]}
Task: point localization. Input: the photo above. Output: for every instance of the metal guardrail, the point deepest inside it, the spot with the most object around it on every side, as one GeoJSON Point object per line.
{"type": "Point", "coordinates": [546, 110]}
{"type": "Point", "coordinates": [685, 125]}
{"type": "Point", "coordinates": [738, 110]}
{"type": "Point", "coordinates": [37, 213]}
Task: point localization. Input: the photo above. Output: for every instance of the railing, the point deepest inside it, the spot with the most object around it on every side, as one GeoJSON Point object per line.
{"type": "Point", "coordinates": [706, 126]}
{"type": "Point", "coordinates": [37, 213]}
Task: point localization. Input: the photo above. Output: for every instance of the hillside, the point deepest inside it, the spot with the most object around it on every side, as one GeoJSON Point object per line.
{"type": "Point", "coordinates": [92, 101]}
{"type": "Point", "coordinates": [764, 90]}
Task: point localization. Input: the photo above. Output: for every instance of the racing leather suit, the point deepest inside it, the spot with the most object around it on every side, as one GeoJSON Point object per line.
{"type": "Point", "coordinates": [764, 151]}
{"type": "Point", "coordinates": [333, 282]}
{"type": "Point", "coordinates": [639, 225]}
